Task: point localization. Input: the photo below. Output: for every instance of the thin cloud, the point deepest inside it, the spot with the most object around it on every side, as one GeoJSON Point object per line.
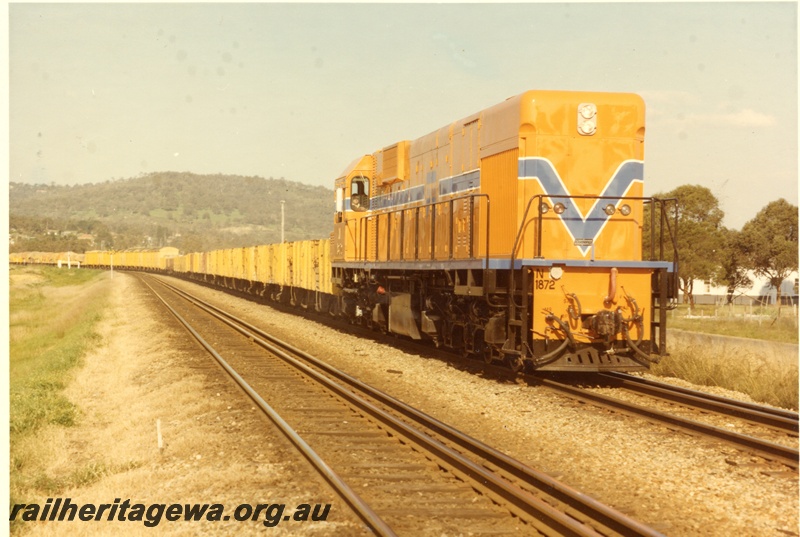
{"type": "Point", "coordinates": [744, 117]}
{"type": "Point", "coordinates": [669, 97]}
{"type": "Point", "coordinates": [661, 103]}
{"type": "Point", "coordinates": [740, 118]}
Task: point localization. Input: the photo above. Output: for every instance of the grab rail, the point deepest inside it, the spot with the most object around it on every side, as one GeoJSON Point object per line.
{"type": "Point", "coordinates": [471, 246]}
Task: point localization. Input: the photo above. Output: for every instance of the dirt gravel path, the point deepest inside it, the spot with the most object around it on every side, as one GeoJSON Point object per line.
{"type": "Point", "coordinates": [216, 447]}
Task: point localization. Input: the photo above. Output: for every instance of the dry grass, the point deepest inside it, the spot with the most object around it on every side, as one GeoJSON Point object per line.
{"type": "Point", "coordinates": [52, 319]}
{"type": "Point", "coordinates": [767, 381]}
{"type": "Point", "coordinates": [770, 381]}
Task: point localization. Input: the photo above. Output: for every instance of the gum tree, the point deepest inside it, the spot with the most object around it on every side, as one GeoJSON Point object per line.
{"type": "Point", "coordinates": [700, 239]}
{"type": "Point", "coordinates": [769, 243]}
{"type": "Point", "coordinates": [732, 270]}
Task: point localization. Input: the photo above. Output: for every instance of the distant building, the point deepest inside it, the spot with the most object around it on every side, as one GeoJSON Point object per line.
{"type": "Point", "coordinates": [767, 295]}
{"type": "Point", "coordinates": [760, 293]}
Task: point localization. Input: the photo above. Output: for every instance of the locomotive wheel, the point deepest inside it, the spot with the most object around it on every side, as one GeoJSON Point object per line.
{"type": "Point", "coordinates": [483, 353]}
{"type": "Point", "coordinates": [514, 362]}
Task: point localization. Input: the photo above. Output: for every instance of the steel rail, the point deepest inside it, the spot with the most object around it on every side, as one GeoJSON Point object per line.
{"type": "Point", "coordinates": [359, 506]}
{"type": "Point", "coordinates": [768, 450]}
{"type": "Point", "coordinates": [777, 418]}
{"type": "Point", "coordinates": [537, 510]}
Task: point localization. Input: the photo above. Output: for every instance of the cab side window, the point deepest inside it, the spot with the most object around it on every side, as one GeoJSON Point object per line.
{"type": "Point", "coordinates": [359, 194]}
{"type": "Point", "coordinates": [339, 204]}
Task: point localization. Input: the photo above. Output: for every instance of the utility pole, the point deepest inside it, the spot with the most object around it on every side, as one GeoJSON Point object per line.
{"type": "Point", "coordinates": [283, 245]}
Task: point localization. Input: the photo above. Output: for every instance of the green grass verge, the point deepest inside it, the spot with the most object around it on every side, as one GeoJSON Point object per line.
{"type": "Point", "coordinates": [53, 316]}
{"type": "Point", "coordinates": [739, 321]}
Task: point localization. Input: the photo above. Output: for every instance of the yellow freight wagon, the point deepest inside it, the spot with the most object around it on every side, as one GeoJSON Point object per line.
{"type": "Point", "coordinates": [239, 258]}
{"type": "Point", "coordinates": [324, 266]}
{"type": "Point", "coordinates": [263, 266]}
{"type": "Point", "coordinates": [215, 263]}
{"type": "Point", "coordinates": [163, 254]}
{"type": "Point", "coordinates": [281, 262]}
{"type": "Point", "coordinates": [250, 264]}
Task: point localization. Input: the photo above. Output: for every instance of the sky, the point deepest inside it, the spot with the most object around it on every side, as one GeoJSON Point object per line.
{"type": "Point", "coordinates": [105, 91]}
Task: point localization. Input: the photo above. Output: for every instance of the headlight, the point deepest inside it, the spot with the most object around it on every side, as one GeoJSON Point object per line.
{"type": "Point", "coordinates": [625, 210]}
{"type": "Point", "coordinates": [559, 208]}
{"type": "Point", "coordinates": [587, 110]}
{"type": "Point", "coordinates": [587, 119]}
{"type": "Point", "coordinates": [544, 208]}
{"type": "Point", "coordinates": [610, 209]}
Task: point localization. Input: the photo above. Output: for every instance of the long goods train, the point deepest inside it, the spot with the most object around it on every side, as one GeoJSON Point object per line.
{"type": "Point", "coordinates": [514, 234]}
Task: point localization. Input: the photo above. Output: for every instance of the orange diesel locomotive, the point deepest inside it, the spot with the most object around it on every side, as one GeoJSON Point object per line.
{"type": "Point", "coordinates": [514, 235]}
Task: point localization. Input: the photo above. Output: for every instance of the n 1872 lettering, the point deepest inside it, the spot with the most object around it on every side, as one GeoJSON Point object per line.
{"type": "Point", "coordinates": [542, 281]}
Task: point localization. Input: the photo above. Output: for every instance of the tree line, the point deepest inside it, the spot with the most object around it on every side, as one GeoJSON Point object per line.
{"type": "Point", "coordinates": [189, 211]}
{"type": "Point", "coordinates": [766, 246]}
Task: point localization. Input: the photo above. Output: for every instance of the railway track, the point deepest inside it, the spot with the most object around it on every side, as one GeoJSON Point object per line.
{"type": "Point", "coordinates": [408, 468]}
{"type": "Point", "coordinates": [783, 421]}
{"type": "Point", "coordinates": [760, 447]}
{"type": "Point", "coordinates": [775, 423]}
{"type": "Point", "coordinates": [778, 421]}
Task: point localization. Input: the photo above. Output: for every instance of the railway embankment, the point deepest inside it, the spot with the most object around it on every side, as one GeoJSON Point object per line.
{"type": "Point", "coordinates": [736, 347]}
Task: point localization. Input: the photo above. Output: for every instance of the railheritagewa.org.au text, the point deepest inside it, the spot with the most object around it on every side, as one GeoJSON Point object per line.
{"type": "Point", "coordinates": [153, 514]}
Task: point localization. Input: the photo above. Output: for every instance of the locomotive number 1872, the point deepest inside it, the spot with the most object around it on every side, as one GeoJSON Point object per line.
{"type": "Point", "coordinates": [542, 281]}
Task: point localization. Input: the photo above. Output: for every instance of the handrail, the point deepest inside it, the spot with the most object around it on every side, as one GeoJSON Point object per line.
{"type": "Point", "coordinates": [512, 303]}
{"type": "Point", "coordinates": [432, 206]}
{"type": "Point", "coordinates": [660, 201]}
{"type": "Point", "coordinates": [523, 223]}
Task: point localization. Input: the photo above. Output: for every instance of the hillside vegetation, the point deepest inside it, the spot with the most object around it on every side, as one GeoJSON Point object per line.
{"type": "Point", "coordinates": [188, 211]}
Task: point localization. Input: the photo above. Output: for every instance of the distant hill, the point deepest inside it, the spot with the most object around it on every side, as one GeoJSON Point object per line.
{"type": "Point", "coordinates": [188, 211]}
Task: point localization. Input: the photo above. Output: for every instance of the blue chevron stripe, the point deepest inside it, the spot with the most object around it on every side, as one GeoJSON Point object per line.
{"type": "Point", "coordinates": [579, 226]}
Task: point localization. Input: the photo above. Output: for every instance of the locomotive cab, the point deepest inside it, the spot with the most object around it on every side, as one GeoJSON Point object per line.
{"type": "Point", "coordinates": [359, 196]}
{"type": "Point", "coordinates": [353, 192]}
